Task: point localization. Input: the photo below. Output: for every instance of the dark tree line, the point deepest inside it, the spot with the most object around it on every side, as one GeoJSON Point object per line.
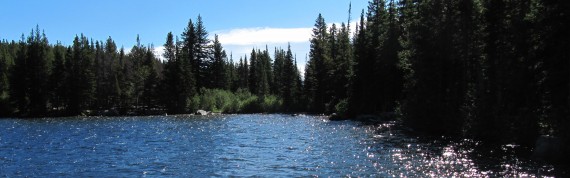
{"type": "Point", "coordinates": [95, 77]}
{"type": "Point", "coordinates": [490, 69]}
{"type": "Point", "coordinates": [329, 69]}
{"type": "Point", "coordinates": [41, 79]}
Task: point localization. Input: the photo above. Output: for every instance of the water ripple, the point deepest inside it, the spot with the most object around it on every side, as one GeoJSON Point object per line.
{"type": "Point", "coordinates": [243, 145]}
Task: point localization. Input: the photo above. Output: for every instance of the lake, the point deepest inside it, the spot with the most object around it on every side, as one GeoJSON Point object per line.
{"type": "Point", "coordinates": [243, 145]}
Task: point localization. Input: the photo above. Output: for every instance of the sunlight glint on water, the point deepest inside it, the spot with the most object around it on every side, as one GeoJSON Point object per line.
{"type": "Point", "coordinates": [236, 145]}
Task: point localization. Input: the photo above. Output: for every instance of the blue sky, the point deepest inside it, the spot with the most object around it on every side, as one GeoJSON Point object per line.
{"type": "Point", "coordinates": [241, 25]}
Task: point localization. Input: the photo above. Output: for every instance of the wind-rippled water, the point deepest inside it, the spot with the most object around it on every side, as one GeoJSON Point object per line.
{"type": "Point", "coordinates": [240, 145]}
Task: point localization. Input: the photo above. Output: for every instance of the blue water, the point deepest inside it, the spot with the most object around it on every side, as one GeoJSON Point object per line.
{"type": "Point", "coordinates": [236, 145]}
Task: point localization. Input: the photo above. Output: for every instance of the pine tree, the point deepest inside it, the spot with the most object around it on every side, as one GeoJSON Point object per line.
{"type": "Point", "coordinates": [18, 79]}
{"type": "Point", "coordinates": [178, 77]}
{"type": "Point", "coordinates": [342, 67]}
{"type": "Point", "coordinates": [124, 85]}
{"type": "Point", "coordinates": [361, 100]}
{"type": "Point", "coordinates": [231, 74]}
{"type": "Point", "coordinates": [105, 56]}
{"type": "Point", "coordinates": [243, 74]}
{"type": "Point", "coordinates": [253, 78]}
{"type": "Point", "coordinates": [81, 76]}
{"type": "Point", "coordinates": [5, 67]}
{"type": "Point", "coordinates": [171, 76]}
{"type": "Point", "coordinates": [136, 74]}
{"type": "Point", "coordinates": [388, 66]}
{"type": "Point", "coordinates": [268, 71]}
{"type": "Point", "coordinates": [217, 70]}
{"type": "Point", "coordinates": [202, 51]}
{"type": "Point", "coordinates": [100, 81]}
{"type": "Point", "coordinates": [110, 74]}
{"type": "Point", "coordinates": [29, 88]}
{"type": "Point", "coordinates": [188, 55]}
{"type": "Point", "coordinates": [57, 79]}
{"type": "Point", "coordinates": [39, 68]}
{"type": "Point", "coordinates": [150, 90]}
{"type": "Point", "coordinates": [260, 72]}
{"type": "Point", "coordinates": [279, 56]}
{"type": "Point", "coordinates": [425, 103]}
{"type": "Point", "coordinates": [290, 83]}
{"type": "Point", "coordinates": [310, 85]}
{"type": "Point", "coordinates": [300, 101]}
{"type": "Point", "coordinates": [552, 17]}
{"type": "Point", "coordinates": [319, 64]}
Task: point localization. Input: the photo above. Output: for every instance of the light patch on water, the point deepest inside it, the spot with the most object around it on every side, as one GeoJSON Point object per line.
{"type": "Point", "coordinates": [243, 145]}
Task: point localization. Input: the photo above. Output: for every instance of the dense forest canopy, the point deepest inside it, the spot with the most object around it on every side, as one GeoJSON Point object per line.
{"type": "Point", "coordinates": [479, 68]}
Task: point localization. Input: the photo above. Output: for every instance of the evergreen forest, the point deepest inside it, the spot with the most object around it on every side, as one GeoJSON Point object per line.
{"type": "Point", "coordinates": [496, 70]}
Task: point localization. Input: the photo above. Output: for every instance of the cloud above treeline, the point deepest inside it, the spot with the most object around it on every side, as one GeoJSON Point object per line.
{"type": "Point", "coordinates": [263, 35]}
{"type": "Point", "coordinates": [240, 41]}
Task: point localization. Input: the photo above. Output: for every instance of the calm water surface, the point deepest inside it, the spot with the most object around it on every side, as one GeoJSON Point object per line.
{"type": "Point", "coordinates": [241, 145]}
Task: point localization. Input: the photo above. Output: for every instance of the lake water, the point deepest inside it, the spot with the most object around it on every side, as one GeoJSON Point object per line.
{"type": "Point", "coordinates": [242, 145]}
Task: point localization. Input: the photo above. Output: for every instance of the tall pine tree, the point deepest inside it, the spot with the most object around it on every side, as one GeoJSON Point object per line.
{"type": "Point", "coordinates": [318, 78]}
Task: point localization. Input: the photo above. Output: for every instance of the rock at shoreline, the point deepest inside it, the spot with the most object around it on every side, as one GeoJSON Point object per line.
{"type": "Point", "coordinates": [202, 112]}
{"type": "Point", "coordinates": [337, 117]}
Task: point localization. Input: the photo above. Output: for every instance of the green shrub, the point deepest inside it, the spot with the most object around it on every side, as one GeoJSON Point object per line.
{"type": "Point", "coordinates": [341, 107]}
{"type": "Point", "coordinates": [241, 101]}
{"type": "Point", "coordinates": [271, 103]}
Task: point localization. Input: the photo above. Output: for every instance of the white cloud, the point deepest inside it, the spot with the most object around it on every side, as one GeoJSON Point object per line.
{"type": "Point", "coordinates": [262, 36]}
{"type": "Point", "coordinates": [158, 52]}
{"type": "Point", "coordinates": [241, 41]}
